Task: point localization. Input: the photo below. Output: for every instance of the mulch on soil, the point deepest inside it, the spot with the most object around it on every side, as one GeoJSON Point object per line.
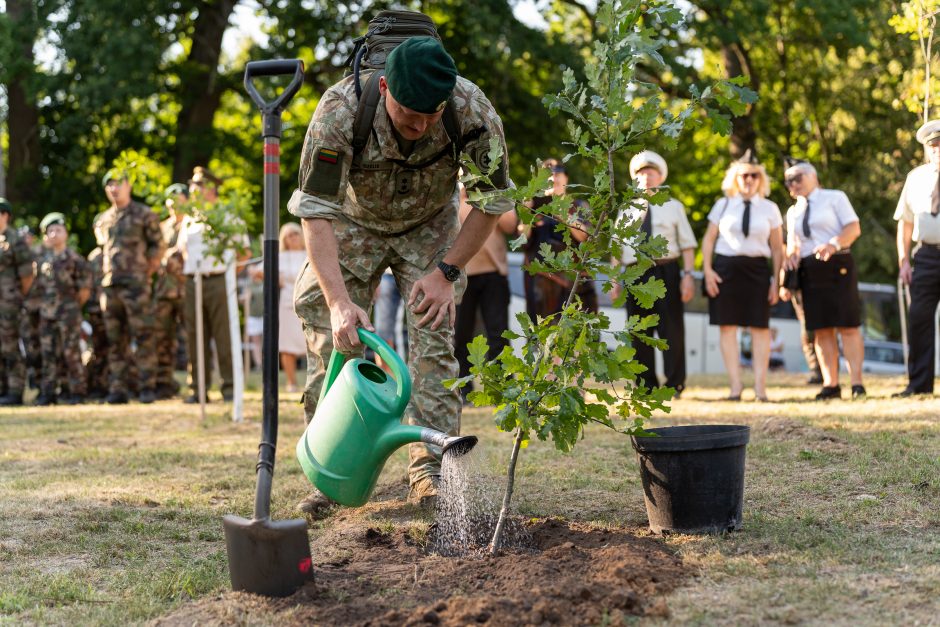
{"type": "Point", "coordinates": [574, 574]}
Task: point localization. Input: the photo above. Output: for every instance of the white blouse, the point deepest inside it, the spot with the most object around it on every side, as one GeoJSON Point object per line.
{"type": "Point", "coordinates": [829, 212]}
{"type": "Point", "coordinates": [728, 215]}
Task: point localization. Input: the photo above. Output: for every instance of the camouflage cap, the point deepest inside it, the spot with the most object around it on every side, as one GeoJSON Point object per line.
{"type": "Point", "coordinates": [114, 174]}
{"type": "Point", "coordinates": [51, 219]}
{"type": "Point", "coordinates": [5, 206]}
{"type": "Point", "coordinates": [421, 75]}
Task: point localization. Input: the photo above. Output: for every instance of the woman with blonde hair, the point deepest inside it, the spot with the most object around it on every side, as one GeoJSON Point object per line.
{"type": "Point", "coordinates": [744, 230]}
{"type": "Point", "coordinates": [290, 339]}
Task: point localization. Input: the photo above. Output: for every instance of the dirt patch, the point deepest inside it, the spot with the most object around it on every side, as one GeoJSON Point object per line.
{"type": "Point", "coordinates": [574, 574]}
{"type": "Point", "coordinates": [787, 429]}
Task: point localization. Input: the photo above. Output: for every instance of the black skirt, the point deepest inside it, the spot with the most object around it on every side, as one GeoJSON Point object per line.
{"type": "Point", "coordinates": [742, 294]}
{"type": "Point", "coordinates": [830, 292]}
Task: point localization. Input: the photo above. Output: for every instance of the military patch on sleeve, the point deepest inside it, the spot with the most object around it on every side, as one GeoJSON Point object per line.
{"type": "Point", "coordinates": [326, 174]}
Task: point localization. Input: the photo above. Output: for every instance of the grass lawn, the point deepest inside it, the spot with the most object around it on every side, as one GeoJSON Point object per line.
{"type": "Point", "coordinates": [112, 514]}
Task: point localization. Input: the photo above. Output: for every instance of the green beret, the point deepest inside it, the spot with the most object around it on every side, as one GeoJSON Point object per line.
{"type": "Point", "coordinates": [175, 190]}
{"type": "Point", "coordinates": [114, 174]}
{"type": "Point", "coordinates": [5, 206]}
{"type": "Point", "coordinates": [51, 218]}
{"type": "Point", "coordinates": [420, 74]}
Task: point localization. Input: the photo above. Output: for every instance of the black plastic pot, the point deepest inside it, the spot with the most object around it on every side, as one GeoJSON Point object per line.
{"type": "Point", "coordinates": [693, 477]}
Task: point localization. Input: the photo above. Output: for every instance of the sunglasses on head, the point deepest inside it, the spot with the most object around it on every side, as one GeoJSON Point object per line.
{"type": "Point", "coordinates": [793, 180]}
{"type": "Point", "coordinates": [749, 175]}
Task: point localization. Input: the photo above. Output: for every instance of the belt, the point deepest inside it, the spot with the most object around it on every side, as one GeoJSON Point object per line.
{"type": "Point", "coordinates": [928, 245]}
{"type": "Point", "coordinates": [663, 262]}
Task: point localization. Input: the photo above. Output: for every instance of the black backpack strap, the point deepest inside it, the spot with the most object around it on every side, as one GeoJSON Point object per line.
{"type": "Point", "coordinates": [365, 115]}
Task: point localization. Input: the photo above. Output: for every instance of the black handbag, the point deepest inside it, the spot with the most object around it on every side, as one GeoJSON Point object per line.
{"type": "Point", "coordinates": [791, 279]}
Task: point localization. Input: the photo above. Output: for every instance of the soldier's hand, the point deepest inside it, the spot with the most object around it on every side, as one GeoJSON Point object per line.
{"type": "Point", "coordinates": [345, 318]}
{"type": "Point", "coordinates": [433, 295]}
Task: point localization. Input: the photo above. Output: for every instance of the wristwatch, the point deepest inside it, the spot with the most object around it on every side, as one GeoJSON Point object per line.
{"type": "Point", "coordinates": [451, 273]}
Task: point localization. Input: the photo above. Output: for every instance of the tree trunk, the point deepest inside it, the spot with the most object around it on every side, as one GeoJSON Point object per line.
{"type": "Point", "coordinates": [23, 114]}
{"type": "Point", "coordinates": [200, 89]}
{"type": "Point", "coordinates": [497, 541]}
{"type": "Point", "coordinates": [743, 135]}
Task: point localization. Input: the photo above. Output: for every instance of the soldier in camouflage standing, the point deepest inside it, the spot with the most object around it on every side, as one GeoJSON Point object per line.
{"type": "Point", "coordinates": [169, 293]}
{"type": "Point", "coordinates": [65, 282]}
{"type": "Point", "coordinates": [29, 323]}
{"type": "Point", "coordinates": [96, 371]}
{"type": "Point", "coordinates": [131, 255]}
{"type": "Point", "coordinates": [394, 205]}
{"type": "Point", "coordinates": [16, 277]}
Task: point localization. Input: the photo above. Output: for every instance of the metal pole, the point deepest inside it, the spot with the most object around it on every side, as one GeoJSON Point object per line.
{"type": "Point", "coordinates": [238, 375]}
{"type": "Point", "coordinates": [200, 338]}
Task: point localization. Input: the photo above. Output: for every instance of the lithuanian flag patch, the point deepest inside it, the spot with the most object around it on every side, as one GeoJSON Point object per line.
{"type": "Point", "coordinates": [327, 155]}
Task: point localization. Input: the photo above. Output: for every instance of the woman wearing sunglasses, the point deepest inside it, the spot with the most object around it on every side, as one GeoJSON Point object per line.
{"type": "Point", "coordinates": [821, 226]}
{"type": "Point", "coordinates": [744, 231]}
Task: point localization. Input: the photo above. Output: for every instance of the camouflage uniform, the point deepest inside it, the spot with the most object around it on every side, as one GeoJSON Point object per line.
{"type": "Point", "coordinates": [16, 263]}
{"type": "Point", "coordinates": [29, 326]}
{"type": "Point", "coordinates": [132, 239]}
{"type": "Point", "coordinates": [61, 277]}
{"type": "Point", "coordinates": [96, 370]}
{"type": "Point", "coordinates": [168, 294]}
{"type": "Point", "coordinates": [387, 214]}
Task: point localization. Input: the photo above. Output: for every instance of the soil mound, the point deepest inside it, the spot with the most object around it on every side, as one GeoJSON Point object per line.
{"type": "Point", "coordinates": [575, 574]}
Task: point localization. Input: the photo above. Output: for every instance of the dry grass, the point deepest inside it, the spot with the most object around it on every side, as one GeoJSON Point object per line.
{"type": "Point", "coordinates": [113, 514]}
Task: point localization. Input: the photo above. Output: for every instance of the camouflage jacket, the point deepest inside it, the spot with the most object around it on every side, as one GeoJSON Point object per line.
{"type": "Point", "coordinates": [61, 276]}
{"type": "Point", "coordinates": [171, 283]}
{"type": "Point", "coordinates": [387, 194]}
{"type": "Point", "coordinates": [16, 262]}
{"type": "Point", "coordinates": [132, 238]}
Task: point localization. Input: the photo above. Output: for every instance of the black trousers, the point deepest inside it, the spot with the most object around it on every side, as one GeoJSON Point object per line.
{"type": "Point", "coordinates": [671, 328]}
{"type": "Point", "coordinates": [488, 294]}
{"type": "Point", "coordinates": [925, 294]}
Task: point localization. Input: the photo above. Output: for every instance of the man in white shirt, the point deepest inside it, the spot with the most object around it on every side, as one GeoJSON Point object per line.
{"type": "Point", "coordinates": [918, 216]}
{"type": "Point", "coordinates": [669, 220]}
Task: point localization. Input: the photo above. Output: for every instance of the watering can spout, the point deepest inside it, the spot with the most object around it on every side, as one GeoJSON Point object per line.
{"type": "Point", "coordinates": [458, 445]}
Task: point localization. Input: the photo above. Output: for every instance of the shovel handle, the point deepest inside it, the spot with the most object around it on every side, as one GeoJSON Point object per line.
{"type": "Point", "coordinates": [271, 110]}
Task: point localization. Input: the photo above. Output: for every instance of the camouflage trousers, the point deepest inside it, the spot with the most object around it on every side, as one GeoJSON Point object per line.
{"type": "Point", "coordinates": [12, 364]}
{"type": "Point", "coordinates": [128, 316]}
{"type": "Point", "coordinates": [169, 318]}
{"type": "Point", "coordinates": [430, 353]}
{"type": "Point", "coordinates": [96, 370]}
{"type": "Point", "coordinates": [29, 333]}
{"type": "Point", "coordinates": [62, 354]}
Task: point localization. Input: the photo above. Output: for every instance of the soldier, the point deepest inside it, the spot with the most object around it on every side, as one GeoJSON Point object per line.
{"type": "Point", "coordinates": [168, 294]}
{"type": "Point", "coordinates": [29, 322]}
{"type": "Point", "coordinates": [394, 204]}
{"type": "Point", "coordinates": [16, 277]}
{"type": "Point", "coordinates": [131, 254]}
{"type": "Point", "coordinates": [65, 282]}
{"type": "Point", "coordinates": [96, 370]}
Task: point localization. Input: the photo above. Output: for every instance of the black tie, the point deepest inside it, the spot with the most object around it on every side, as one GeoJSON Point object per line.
{"type": "Point", "coordinates": [806, 220]}
{"type": "Point", "coordinates": [935, 201]}
{"type": "Point", "coordinates": [647, 226]}
{"type": "Point", "coordinates": [746, 220]}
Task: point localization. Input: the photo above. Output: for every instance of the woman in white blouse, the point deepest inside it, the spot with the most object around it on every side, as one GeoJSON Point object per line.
{"type": "Point", "coordinates": [821, 226]}
{"type": "Point", "coordinates": [290, 336]}
{"type": "Point", "coordinates": [744, 231]}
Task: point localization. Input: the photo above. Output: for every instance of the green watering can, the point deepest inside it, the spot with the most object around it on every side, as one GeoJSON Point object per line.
{"type": "Point", "coordinates": [357, 425]}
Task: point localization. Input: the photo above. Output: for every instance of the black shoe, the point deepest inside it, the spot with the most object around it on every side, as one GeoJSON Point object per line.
{"type": "Point", "coordinates": [166, 392]}
{"type": "Point", "coordinates": [116, 398]}
{"type": "Point", "coordinates": [147, 396]}
{"type": "Point", "coordinates": [858, 391]}
{"type": "Point", "coordinates": [73, 399]}
{"type": "Point", "coordinates": [12, 399]}
{"type": "Point", "coordinates": [815, 379]}
{"type": "Point", "coordinates": [907, 393]}
{"type": "Point", "coordinates": [192, 399]}
{"type": "Point", "coordinates": [44, 400]}
{"type": "Point", "coordinates": [97, 396]}
{"type": "Point", "coordinates": [829, 392]}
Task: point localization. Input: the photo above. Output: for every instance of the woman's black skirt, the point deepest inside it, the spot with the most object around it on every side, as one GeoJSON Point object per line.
{"type": "Point", "coordinates": [742, 294]}
{"type": "Point", "coordinates": [830, 292]}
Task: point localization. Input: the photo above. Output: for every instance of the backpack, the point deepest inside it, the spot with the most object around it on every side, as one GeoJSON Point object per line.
{"type": "Point", "coordinates": [370, 51]}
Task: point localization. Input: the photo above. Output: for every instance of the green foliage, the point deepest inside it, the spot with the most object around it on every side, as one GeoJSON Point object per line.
{"type": "Point", "coordinates": [565, 376]}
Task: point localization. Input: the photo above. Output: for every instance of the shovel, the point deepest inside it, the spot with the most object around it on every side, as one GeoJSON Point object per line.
{"type": "Point", "coordinates": [269, 557]}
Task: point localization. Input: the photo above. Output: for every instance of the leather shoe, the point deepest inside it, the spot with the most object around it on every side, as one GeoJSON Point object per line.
{"type": "Point", "coordinates": [147, 396]}
{"type": "Point", "coordinates": [907, 392]}
{"type": "Point", "coordinates": [116, 398]}
{"type": "Point", "coordinates": [829, 392]}
{"type": "Point", "coordinates": [858, 391]}
{"type": "Point", "coordinates": [13, 399]}
{"type": "Point", "coordinates": [44, 400]}
{"type": "Point", "coordinates": [192, 399]}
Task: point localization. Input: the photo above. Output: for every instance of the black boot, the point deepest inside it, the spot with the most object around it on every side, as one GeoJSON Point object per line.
{"type": "Point", "coordinates": [44, 399]}
{"type": "Point", "coordinates": [116, 398]}
{"type": "Point", "coordinates": [11, 399]}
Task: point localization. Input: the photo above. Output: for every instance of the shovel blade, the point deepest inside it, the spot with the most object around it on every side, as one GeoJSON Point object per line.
{"type": "Point", "coordinates": [266, 557]}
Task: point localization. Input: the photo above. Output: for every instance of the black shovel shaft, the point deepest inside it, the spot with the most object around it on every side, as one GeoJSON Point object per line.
{"type": "Point", "coordinates": [271, 119]}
